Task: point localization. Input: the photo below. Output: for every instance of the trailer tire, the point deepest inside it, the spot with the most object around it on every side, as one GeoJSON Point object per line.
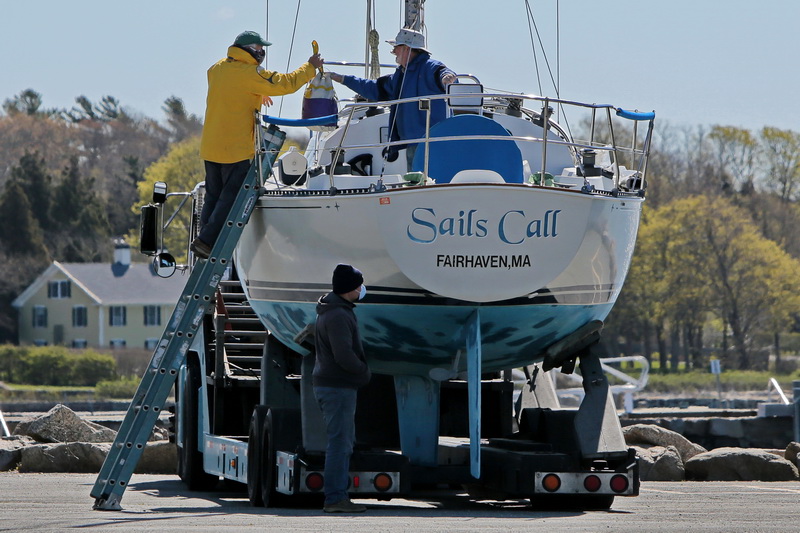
{"type": "Point", "coordinates": [280, 432]}
{"type": "Point", "coordinates": [190, 459]}
{"type": "Point", "coordinates": [254, 455]}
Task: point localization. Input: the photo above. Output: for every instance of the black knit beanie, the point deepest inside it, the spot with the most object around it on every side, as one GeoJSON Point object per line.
{"type": "Point", "coordinates": [346, 278]}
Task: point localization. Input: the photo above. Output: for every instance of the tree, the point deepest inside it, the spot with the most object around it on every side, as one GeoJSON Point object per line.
{"type": "Point", "coordinates": [20, 232]}
{"type": "Point", "coordinates": [79, 215]}
{"type": "Point", "coordinates": [781, 156]}
{"type": "Point", "coordinates": [735, 150]}
{"type": "Point", "coordinates": [32, 176]}
{"type": "Point", "coordinates": [22, 254]}
{"type": "Point", "coordinates": [28, 102]}
{"type": "Point", "coordinates": [719, 257]}
{"type": "Point", "coordinates": [182, 125]}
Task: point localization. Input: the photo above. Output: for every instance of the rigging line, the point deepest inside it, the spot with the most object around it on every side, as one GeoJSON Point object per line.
{"type": "Point", "coordinates": [535, 57]}
{"type": "Point", "coordinates": [266, 35]}
{"type": "Point", "coordinates": [556, 86]}
{"type": "Point", "coordinates": [558, 50]}
{"type": "Point", "coordinates": [532, 20]}
{"type": "Point", "coordinates": [291, 48]}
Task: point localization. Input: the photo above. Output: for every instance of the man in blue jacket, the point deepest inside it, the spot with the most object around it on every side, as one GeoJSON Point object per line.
{"type": "Point", "coordinates": [416, 75]}
{"type": "Point", "coordinates": [340, 370]}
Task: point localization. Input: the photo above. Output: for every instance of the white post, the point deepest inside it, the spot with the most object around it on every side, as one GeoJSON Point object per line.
{"type": "Point", "coordinates": [6, 432]}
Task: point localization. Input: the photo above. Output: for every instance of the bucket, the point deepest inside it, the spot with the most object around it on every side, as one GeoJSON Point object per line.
{"type": "Point", "coordinates": [319, 100]}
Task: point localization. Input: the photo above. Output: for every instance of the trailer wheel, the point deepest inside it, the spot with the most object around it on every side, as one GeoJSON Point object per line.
{"type": "Point", "coordinates": [281, 431]}
{"type": "Point", "coordinates": [254, 455]}
{"type": "Point", "coordinates": [190, 459]}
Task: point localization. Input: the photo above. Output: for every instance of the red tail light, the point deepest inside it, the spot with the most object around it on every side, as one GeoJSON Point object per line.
{"type": "Point", "coordinates": [382, 482]}
{"type": "Point", "coordinates": [551, 482]}
{"type": "Point", "coordinates": [315, 481]}
{"type": "Point", "coordinates": [592, 483]}
{"type": "Point", "coordinates": [619, 483]}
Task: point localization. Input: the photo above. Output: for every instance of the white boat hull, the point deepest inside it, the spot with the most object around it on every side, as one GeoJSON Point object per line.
{"type": "Point", "coordinates": [538, 262]}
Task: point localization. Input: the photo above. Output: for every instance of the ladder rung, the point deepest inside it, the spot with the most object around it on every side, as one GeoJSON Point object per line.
{"type": "Point", "coordinates": [246, 333]}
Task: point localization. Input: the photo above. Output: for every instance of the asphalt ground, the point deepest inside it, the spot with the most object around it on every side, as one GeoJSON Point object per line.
{"type": "Point", "coordinates": [61, 502]}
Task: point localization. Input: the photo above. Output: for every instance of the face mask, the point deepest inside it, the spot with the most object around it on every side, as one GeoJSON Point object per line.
{"type": "Point", "coordinates": [258, 55]}
{"type": "Point", "coordinates": [362, 293]}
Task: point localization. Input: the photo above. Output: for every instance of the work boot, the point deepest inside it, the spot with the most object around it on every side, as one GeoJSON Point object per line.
{"type": "Point", "coordinates": [200, 249]}
{"type": "Point", "coordinates": [344, 506]}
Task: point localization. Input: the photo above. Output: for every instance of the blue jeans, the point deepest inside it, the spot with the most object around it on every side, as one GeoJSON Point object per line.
{"type": "Point", "coordinates": [223, 182]}
{"type": "Point", "coordinates": [339, 411]}
{"type": "Point", "coordinates": [411, 150]}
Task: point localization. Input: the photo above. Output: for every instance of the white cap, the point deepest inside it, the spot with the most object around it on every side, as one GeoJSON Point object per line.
{"type": "Point", "coordinates": [410, 38]}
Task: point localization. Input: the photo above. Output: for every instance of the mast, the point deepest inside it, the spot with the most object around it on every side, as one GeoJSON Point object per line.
{"type": "Point", "coordinates": [415, 15]}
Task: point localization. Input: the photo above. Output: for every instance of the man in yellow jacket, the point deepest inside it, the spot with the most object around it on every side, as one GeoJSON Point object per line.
{"type": "Point", "coordinates": [237, 85]}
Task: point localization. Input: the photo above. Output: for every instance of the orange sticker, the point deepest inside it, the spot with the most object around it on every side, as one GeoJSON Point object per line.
{"type": "Point", "coordinates": [385, 200]}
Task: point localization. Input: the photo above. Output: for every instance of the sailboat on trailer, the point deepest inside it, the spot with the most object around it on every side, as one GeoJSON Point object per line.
{"type": "Point", "coordinates": [506, 244]}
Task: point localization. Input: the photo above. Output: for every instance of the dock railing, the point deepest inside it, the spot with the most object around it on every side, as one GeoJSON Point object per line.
{"type": "Point", "coordinates": [3, 425]}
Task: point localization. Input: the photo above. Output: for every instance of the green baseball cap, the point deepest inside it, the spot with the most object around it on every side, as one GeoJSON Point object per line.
{"type": "Point", "coordinates": [250, 37]}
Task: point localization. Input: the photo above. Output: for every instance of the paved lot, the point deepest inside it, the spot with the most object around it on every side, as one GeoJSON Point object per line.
{"type": "Point", "coordinates": [61, 502]}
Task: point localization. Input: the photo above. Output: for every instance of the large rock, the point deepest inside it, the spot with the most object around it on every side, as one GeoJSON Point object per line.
{"type": "Point", "coordinates": [11, 450]}
{"type": "Point", "coordinates": [61, 424]}
{"type": "Point", "coordinates": [739, 464]}
{"type": "Point", "coordinates": [658, 436]}
{"type": "Point", "coordinates": [659, 463]}
{"type": "Point", "coordinates": [87, 457]}
{"type": "Point", "coordinates": [792, 453]}
{"type": "Point", "coordinates": [160, 457]}
{"type": "Point", "coordinates": [78, 457]}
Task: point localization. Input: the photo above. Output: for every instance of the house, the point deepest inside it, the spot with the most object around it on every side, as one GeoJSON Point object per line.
{"type": "Point", "coordinates": [98, 305]}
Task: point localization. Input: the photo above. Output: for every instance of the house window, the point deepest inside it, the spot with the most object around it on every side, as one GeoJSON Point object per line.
{"type": "Point", "coordinates": [117, 343]}
{"type": "Point", "coordinates": [79, 343]}
{"type": "Point", "coordinates": [80, 317]}
{"type": "Point", "coordinates": [39, 316]}
{"type": "Point", "coordinates": [116, 315]}
{"type": "Point", "coordinates": [150, 344]}
{"type": "Point", "coordinates": [58, 289]}
{"type": "Point", "coordinates": [152, 315]}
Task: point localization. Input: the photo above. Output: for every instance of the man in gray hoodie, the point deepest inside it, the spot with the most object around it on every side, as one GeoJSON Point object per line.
{"type": "Point", "coordinates": [339, 371]}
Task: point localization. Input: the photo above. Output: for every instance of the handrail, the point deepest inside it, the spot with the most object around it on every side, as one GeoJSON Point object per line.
{"type": "Point", "coordinates": [637, 152]}
{"type": "Point", "coordinates": [630, 115]}
{"type": "Point", "coordinates": [631, 385]}
{"type": "Point", "coordinates": [6, 433]}
{"type": "Point", "coordinates": [300, 122]}
{"type": "Point", "coordinates": [773, 384]}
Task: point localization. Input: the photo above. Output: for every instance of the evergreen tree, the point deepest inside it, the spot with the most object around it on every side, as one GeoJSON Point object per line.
{"type": "Point", "coordinates": [82, 232]}
{"type": "Point", "coordinates": [31, 174]}
{"type": "Point", "coordinates": [182, 125]}
{"type": "Point", "coordinates": [20, 233]}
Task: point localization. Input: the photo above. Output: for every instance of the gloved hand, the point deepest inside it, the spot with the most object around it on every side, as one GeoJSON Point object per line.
{"type": "Point", "coordinates": [390, 153]}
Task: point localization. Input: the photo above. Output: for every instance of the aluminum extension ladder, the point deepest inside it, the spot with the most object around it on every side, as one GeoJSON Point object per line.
{"type": "Point", "coordinates": [194, 302]}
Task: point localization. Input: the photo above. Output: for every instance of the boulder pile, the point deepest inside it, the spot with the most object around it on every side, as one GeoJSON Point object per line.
{"type": "Point", "coordinates": [61, 441]}
{"type": "Point", "coordinates": [665, 455]}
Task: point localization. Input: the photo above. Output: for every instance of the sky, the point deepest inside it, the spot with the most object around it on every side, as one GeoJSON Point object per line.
{"type": "Point", "coordinates": [693, 62]}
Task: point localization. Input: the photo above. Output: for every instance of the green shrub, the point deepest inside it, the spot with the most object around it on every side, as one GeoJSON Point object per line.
{"type": "Point", "coordinates": [45, 365]}
{"type": "Point", "coordinates": [10, 360]}
{"type": "Point", "coordinates": [123, 388]}
{"type": "Point", "coordinates": [91, 367]}
{"type": "Point", "coordinates": [56, 366]}
{"type": "Point", "coordinates": [700, 381]}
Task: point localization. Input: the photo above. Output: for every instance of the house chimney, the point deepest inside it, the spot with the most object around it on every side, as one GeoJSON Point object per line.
{"type": "Point", "coordinates": [122, 257]}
